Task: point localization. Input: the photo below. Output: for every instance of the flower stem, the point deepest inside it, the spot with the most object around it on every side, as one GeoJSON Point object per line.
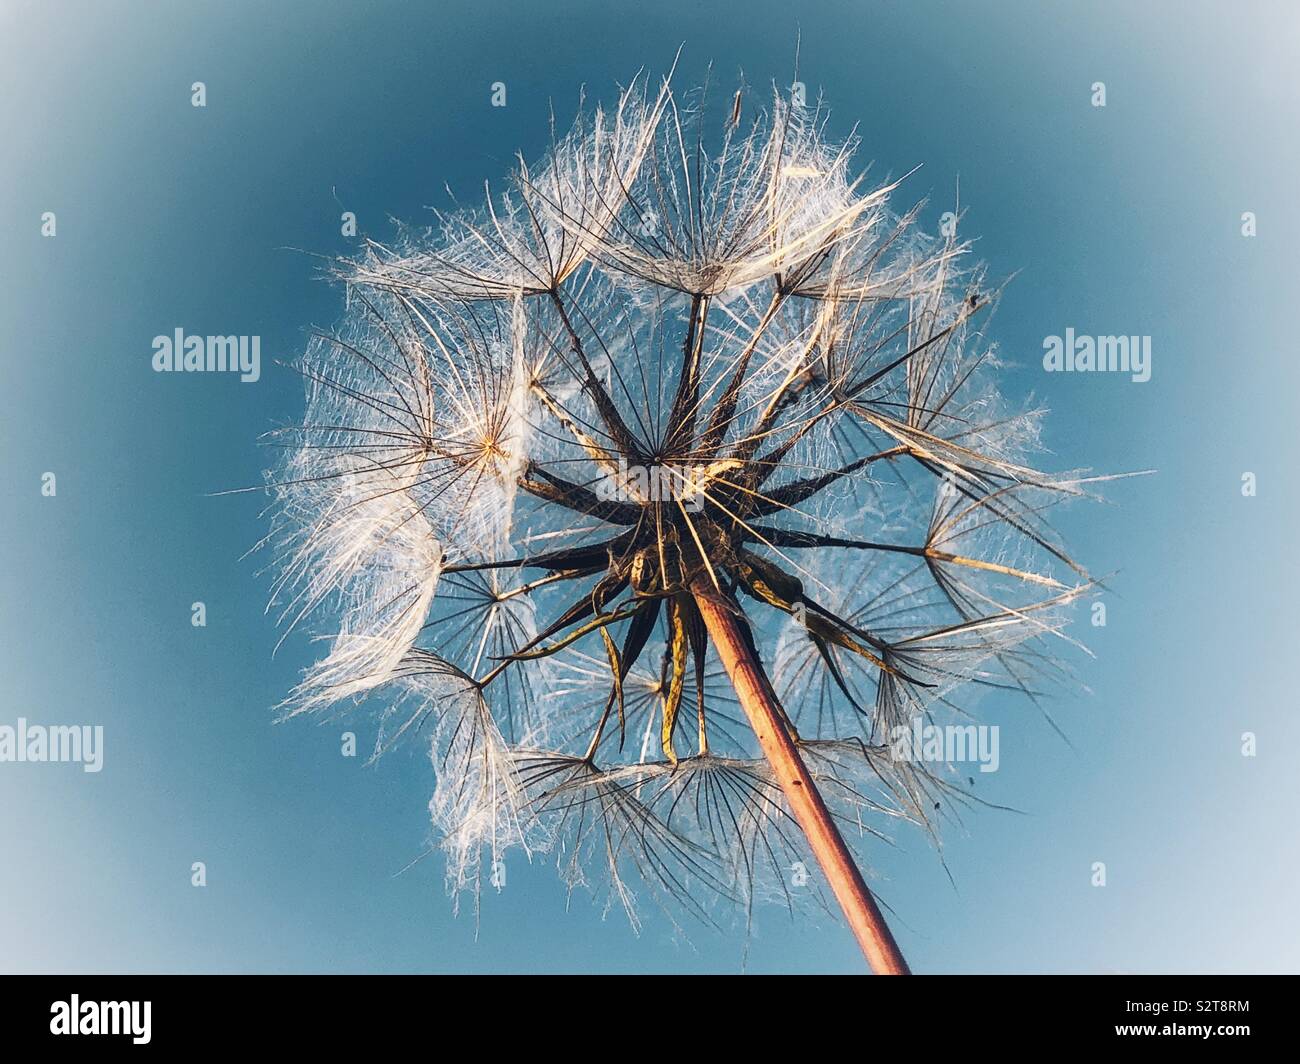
{"type": "Point", "coordinates": [721, 617]}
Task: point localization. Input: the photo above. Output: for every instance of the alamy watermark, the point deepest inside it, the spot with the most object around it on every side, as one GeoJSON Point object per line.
{"type": "Point", "coordinates": [75, 743]}
{"type": "Point", "coordinates": [179, 353]}
{"type": "Point", "coordinates": [946, 744]}
{"type": "Point", "coordinates": [1072, 353]}
{"type": "Point", "coordinates": [687, 485]}
{"type": "Point", "coordinates": [77, 1017]}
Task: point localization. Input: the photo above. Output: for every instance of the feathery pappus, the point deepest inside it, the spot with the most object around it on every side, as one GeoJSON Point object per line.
{"type": "Point", "coordinates": [686, 419]}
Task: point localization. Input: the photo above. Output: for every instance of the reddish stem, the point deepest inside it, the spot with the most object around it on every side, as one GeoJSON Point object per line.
{"type": "Point", "coordinates": [721, 617]}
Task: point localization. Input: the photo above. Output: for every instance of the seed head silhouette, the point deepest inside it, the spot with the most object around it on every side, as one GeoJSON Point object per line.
{"type": "Point", "coordinates": [657, 493]}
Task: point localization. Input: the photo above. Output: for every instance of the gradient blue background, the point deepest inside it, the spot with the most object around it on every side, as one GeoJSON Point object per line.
{"type": "Point", "coordinates": [1120, 220]}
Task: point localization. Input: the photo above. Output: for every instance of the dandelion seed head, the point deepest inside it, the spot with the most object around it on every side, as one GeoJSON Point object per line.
{"type": "Point", "coordinates": [673, 352]}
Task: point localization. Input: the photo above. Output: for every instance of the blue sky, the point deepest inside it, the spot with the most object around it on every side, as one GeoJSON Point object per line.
{"type": "Point", "coordinates": [1123, 219]}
